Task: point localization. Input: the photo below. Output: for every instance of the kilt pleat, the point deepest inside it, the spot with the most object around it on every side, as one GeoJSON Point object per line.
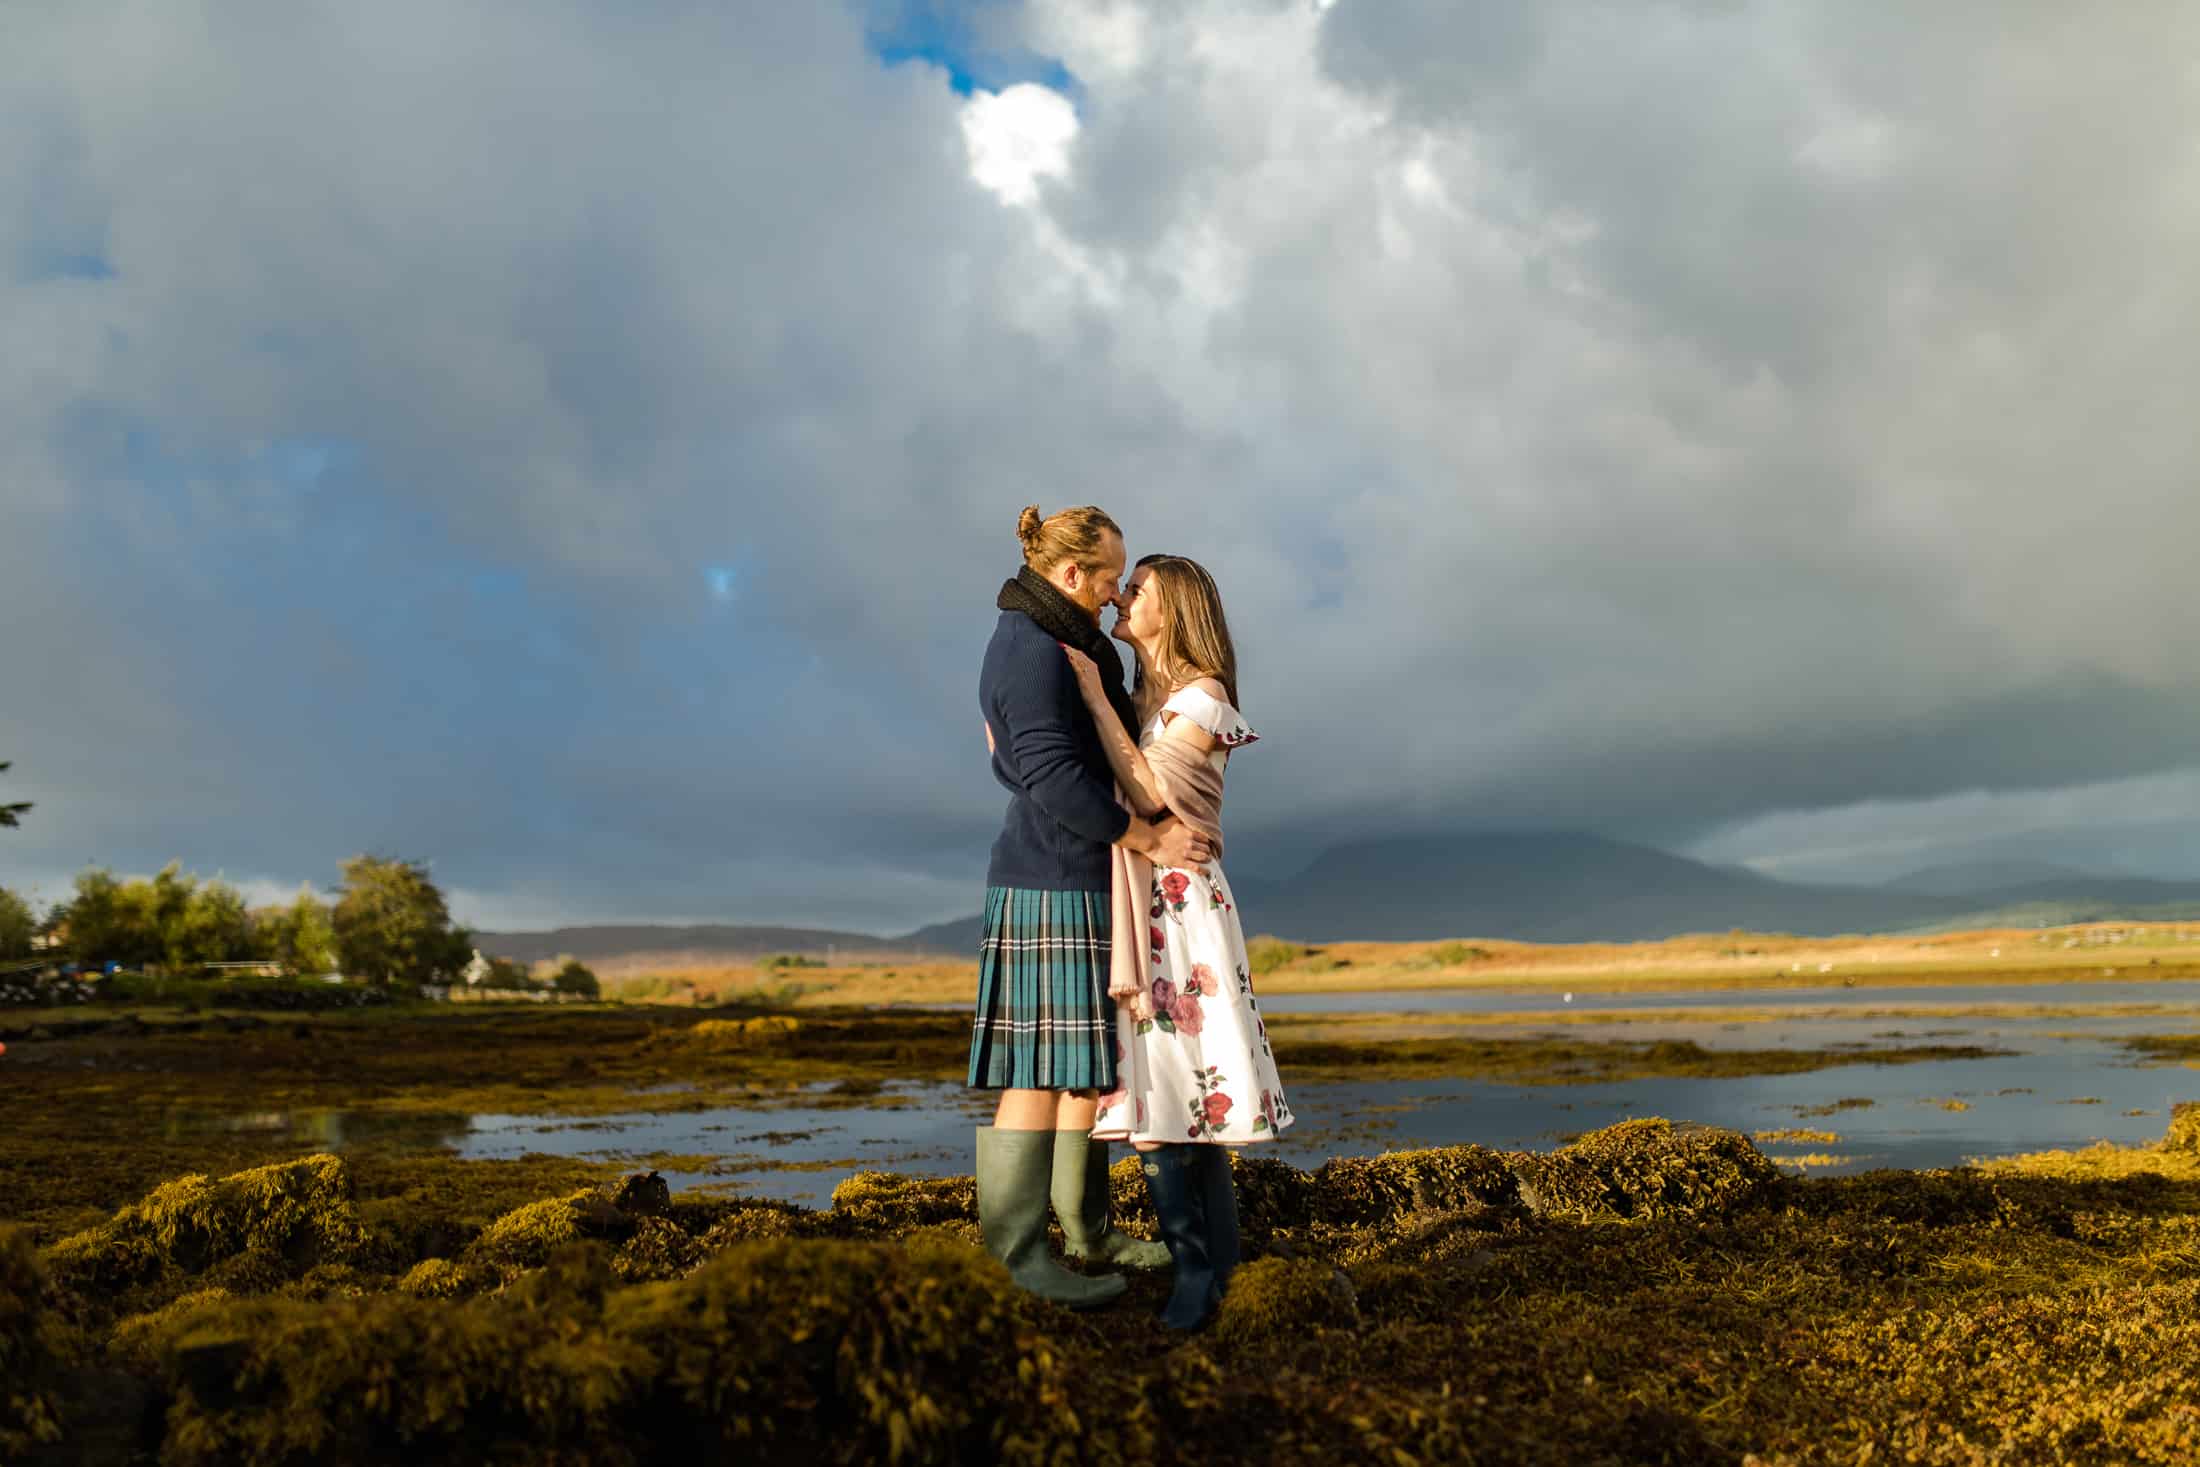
{"type": "Point", "coordinates": [1044, 1020]}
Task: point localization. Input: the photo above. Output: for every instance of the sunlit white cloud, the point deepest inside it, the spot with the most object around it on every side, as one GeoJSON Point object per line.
{"type": "Point", "coordinates": [1017, 137]}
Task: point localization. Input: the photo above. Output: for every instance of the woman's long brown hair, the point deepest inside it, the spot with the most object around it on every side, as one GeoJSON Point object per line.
{"type": "Point", "coordinates": [1195, 636]}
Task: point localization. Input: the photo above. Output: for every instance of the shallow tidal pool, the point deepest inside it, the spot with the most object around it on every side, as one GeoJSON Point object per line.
{"type": "Point", "coordinates": [2063, 1082]}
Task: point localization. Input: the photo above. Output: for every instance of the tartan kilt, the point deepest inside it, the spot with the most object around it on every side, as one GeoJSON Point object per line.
{"type": "Point", "coordinates": [1044, 1019]}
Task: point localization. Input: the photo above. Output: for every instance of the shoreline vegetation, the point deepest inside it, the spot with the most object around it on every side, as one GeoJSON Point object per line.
{"type": "Point", "coordinates": [2086, 953]}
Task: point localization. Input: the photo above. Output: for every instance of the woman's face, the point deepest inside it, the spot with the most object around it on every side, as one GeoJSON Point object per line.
{"type": "Point", "coordinates": [1138, 610]}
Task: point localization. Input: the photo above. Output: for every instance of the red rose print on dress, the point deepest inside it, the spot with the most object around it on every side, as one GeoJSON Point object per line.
{"type": "Point", "coordinates": [1217, 1106]}
{"type": "Point", "coordinates": [1187, 1014]}
{"type": "Point", "coordinates": [1172, 887]}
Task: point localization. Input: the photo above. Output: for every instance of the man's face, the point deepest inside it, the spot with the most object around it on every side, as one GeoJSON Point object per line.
{"type": "Point", "coordinates": [1097, 587]}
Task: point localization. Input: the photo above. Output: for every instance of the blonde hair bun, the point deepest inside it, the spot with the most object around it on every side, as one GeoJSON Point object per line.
{"type": "Point", "coordinates": [1029, 524]}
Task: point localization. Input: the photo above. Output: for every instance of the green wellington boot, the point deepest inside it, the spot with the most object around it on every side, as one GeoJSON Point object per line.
{"type": "Point", "coordinates": [1081, 1206]}
{"type": "Point", "coordinates": [1014, 1171]}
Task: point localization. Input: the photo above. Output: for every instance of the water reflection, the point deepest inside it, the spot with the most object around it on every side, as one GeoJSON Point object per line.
{"type": "Point", "coordinates": [334, 1129]}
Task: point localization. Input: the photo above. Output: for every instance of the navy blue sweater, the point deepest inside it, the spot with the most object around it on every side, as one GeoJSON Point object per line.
{"type": "Point", "coordinates": [1046, 751]}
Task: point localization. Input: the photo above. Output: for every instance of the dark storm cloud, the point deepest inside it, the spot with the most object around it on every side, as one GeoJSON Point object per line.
{"type": "Point", "coordinates": [580, 445]}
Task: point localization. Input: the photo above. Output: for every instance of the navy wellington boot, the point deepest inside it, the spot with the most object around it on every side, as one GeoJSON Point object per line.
{"type": "Point", "coordinates": [1174, 1179]}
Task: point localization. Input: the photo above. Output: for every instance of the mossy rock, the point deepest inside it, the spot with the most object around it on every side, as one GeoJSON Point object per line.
{"type": "Point", "coordinates": [1271, 1194]}
{"type": "Point", "coordinates": [444, 1278]}
{"type": "Point", "coordinates": [138, 1340]}
{"type": "Point", "coordinates": [782, 1351]}
{"type": "Point", "coordinates": [298, 1212]}
{"type": "Point", "coordinates": [1284, 1298]}
{"type": "Point", "coordinates": [875, 1203]}
{"type": "Point", "coordinates": [525, 1237]}
{"type": "Point", "coordinates": [755, 1219]}
{"type": "Point", "coordinates": [740, 1033]}
{"type": "Point", "coordinates": [1643, 1169]}
{"type": "Point", "coordinates": [2184, 1128]}
{"type": "Point", "coordinates": [30, 1364]}
{"type": "Point", "coordinates": [660, 1249]}
{"type": "Point", "coordinates": [1357, 1191]}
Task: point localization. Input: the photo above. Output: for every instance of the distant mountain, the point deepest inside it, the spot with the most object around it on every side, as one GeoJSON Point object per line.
{"type": "Point", "coordinates": [596, 944]}
{"type": "Point", "coordinates": [1971, 878]}
{"type": "Point", "coordinates": [1532, 886]}
{"type": "Point", "coordinates": [1555, 887]}
{"type": "Point", "coordinates": [959, 936]}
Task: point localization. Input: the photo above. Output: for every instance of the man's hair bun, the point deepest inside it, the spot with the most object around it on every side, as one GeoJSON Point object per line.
{"type": "Point", "coordinates": [1029, 524]}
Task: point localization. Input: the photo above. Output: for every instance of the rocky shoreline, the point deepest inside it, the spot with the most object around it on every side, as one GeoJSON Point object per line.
{"type": "Point", "coordinates": [1651, 1293]}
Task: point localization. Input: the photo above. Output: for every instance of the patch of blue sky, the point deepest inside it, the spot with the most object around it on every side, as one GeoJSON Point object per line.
{"type": "Point", "coordinates": [66, 264]}
{"type": "Point", "coordinates": [953, 36]}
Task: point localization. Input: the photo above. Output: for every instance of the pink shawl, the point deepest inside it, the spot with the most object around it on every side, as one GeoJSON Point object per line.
{"type": "Point", "coordinates": [1191, 787]}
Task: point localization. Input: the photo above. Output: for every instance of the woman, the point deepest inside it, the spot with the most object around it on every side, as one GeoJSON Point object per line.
{"type": "Point", "coordinates": [1195, 1073]}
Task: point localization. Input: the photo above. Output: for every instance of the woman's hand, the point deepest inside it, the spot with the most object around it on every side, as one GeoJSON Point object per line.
{"type": "Point", "coordinates": [1088, 675]}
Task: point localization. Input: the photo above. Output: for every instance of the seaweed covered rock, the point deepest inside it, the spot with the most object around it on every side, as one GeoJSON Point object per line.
{"type": "Point", "coordinates": [442, 1278]}
{"type": "Point", "coordinates": [1271, 1194]}
{"type": "Point", "coordinates": [1355, 1191]}
{"type": "Point", "coordinates": [291, 1215]}
{"type": "Point", "coordinates": [526, 1236]}
{"type": "Point", "coordinates": [753, 1033]}
{"type": "Point", "coordinates": [641, 1194]}
{"type": "Point", "coordinates": [2184, 1128]}
{"type": "Point", "coordinates": [30, 1370]}
{"type": "Point", "coordinates": [753, 1219]}
{"type": "Point", "coordinates": [1643, 1168]}
{"type": "Point", "coordinates": [888, 1203]}
{"type": "Point", "coordinates": [820, 1351]}
{"type": "Point", "coordinates": [660, 1249]}
{"type": "Point", "coordinates": [138, 1340]}
{"type": "Point", "coordinates": [1284, 1298]}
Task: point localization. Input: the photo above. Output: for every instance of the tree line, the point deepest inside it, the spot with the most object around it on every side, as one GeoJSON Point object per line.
{"type": "Point", "coordinates": [388, 924]}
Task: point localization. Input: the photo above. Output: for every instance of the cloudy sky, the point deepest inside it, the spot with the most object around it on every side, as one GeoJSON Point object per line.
{"type": "Point", "coordinates": [577, 444]}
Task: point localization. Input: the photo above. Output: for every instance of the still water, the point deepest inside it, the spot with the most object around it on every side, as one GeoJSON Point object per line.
{"type": "Point", "coordinates": [2065, 1082]}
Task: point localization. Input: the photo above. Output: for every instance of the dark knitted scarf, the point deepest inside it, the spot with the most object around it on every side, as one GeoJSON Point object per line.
{"type": "Point", "coordinates": [1062, 619]}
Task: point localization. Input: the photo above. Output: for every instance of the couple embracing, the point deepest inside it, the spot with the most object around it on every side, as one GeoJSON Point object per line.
{"type": "Point", "coordinates": [1115, 1000]}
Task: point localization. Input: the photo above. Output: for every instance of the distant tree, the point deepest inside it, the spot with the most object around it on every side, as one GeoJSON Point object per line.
{"type": "Point", "coordinates": [392, 925]}
{"type": "Point", "coordinates": [103, 924]}
{"type": "Point", "coordinates": [574, 977]}
{"type": "Point", "coordinates": [17, 926]}
{"type": "Point", "coordinates": [209, 925]}
{"type": "Point", "coordinates": [507, 975]}
{"type": "Point", "coordinates": [8, 813]}
{"type": "Point", "coordinates": [173, 921]}
{"type": "Point", "coordinates": [298, 938]}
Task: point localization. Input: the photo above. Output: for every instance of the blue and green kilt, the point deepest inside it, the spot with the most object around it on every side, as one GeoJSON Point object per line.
{"type": "Point", "coordinates": [1044, 1019]}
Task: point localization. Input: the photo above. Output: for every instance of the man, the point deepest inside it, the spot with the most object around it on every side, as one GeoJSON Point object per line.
{"type": "Point", "coordinates": [1044, 1033]}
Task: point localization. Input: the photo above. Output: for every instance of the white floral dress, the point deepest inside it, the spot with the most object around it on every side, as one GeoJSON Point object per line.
{"type": "Point", "coordinates": [1200, 1069]}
